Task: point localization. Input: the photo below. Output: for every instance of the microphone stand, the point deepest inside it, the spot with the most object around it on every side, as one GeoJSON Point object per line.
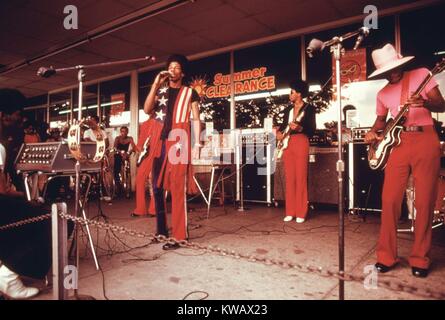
{"type": "Point", "coordinates": [81, 74]}
{"type": "Point", "coordinates": [336, 49]}
{"type": "Point", "coordinates": [239, 148]}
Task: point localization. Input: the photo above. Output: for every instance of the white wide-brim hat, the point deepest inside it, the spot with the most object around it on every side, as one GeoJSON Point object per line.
{"type": "Point", "coordinates": [386, 59]}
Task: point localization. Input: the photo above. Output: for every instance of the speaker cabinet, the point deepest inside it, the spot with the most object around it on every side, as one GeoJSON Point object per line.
{"type": "Point", "coordinates": [257, 173]}
{"type": "Point", "coordinates": [279, 182]}
{"type": "Point", "coordinates": [322, 177]}
{"type": "Point", "coordinates": [365, 184]}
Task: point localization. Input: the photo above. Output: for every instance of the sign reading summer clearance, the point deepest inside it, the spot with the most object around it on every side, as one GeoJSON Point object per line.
{"type": "Point", "coordinates": [248, 81]}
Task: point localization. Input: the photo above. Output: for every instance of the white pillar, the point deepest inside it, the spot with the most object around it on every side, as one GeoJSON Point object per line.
{"type": "Point", "coordinates": [134, 120]}
{"type": "Point", "coordinates": [303, 58]}
{"type": "Point", "coordinates": [232, 91]}
{"type": "Point", "coordinates": [398, 42]}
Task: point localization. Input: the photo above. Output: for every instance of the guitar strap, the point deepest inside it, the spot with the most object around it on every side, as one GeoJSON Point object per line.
{"type": "Point", "coordinates": [291, 115]}
{"type": "Point", "coordinates": [404, 94]}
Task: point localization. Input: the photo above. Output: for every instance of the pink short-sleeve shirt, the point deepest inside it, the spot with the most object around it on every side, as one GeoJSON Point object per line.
{"type": "Point", "coordinates": [388, 98]}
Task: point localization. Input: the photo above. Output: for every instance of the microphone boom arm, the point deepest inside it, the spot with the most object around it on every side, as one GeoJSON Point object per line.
{"type": "Point", "coordinates": [103, 64]}
{"type": "Point", "coordinates": [348, 35]}
{"type": "Point", "coordinates": [319, 45]}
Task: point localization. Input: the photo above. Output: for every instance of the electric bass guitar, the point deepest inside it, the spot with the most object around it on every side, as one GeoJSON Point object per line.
{"type": "Point", "coordinates": [379, 151]}
{"type": "Point", "coordinates": [283, 143]}
{"type": "Point", "coordinates": [145, 151]}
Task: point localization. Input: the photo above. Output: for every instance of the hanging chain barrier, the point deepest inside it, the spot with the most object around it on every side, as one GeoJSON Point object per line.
{"type": "Point", "coordinates": [25, 222]}
{"type": "Point", "coordinates": [390, 285]}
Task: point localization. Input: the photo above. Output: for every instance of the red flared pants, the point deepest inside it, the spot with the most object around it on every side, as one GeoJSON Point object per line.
{"type": "Point", "coordinates": [295, 159]}
{"type": "Point", "coordinates": [143, 172]}
{"type": "Point", "coordinates": [418, 154]}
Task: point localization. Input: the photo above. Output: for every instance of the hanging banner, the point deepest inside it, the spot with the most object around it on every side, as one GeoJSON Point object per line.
{"type": "Point", "coordinates": [353, 67]}
{"type": "Point", "coordinates": [117, 104]}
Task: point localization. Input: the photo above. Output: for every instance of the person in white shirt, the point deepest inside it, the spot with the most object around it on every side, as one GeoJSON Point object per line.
{"type": "Point", "coordinates": [89, 134]}
{"type": "Point", "coordinates": [2, 157]}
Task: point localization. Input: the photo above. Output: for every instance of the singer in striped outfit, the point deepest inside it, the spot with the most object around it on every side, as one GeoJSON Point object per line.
{"type": "Point", "coordinates": [169, 142]}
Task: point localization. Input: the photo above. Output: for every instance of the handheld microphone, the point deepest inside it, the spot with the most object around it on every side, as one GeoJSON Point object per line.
{"type": "Point", "coordinates": [165, 73]}
{"type": "Point", "coordinates": [45, 72]}
{"type": "Point", "coordinates": [364, 31]}
{"type": "Point", "coordinates": [314, 46]}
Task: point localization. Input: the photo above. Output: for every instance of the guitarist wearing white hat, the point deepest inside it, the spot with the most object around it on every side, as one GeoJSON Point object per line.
{"type": "Point", "coordinates": [408, 145]}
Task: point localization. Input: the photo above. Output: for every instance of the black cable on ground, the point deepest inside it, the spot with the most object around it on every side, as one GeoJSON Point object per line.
{"type": "Point", "coordinates": [194, 292]}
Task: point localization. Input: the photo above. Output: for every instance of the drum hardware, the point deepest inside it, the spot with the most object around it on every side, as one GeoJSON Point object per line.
{"type": "Point", "coordinates": [438, 214]}
{"type": "Point", "coordinates": [74, 141]}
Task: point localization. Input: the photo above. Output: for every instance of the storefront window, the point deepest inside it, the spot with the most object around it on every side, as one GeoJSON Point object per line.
{"type": "Point", "coordinates": [59, 109]}
{"type": "Point", "coordinates": [262, 76]}
{"type": "Point", "coordinates": [89, 103]}
{"type": "Point", "coordinates": [145, 80]}
{"type": "Point", "coordinates": [35, 114]}
{"type": "Point", "coordinates": [37, 101]}
{"type": "Point", "coordinates": [215, 102]}
{"type": "Point", "coordinates": [424, 40]}
{"type": "Point", "coordinates": [319, 70]}
{"type": "Point", "coordinates": [115, 102]}
{"type": "Point", "coordinates": [36, 108]}
{"type": "Point", "coordinates": [422, 35]}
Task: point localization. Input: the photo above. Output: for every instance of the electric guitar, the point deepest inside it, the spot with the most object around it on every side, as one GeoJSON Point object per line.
{"type": "Point", "coordinates": [379, 151]}
{"type": "Point", "coordinates": [144, 152]}
{"type": "Point", "coordinates": [283, 143]}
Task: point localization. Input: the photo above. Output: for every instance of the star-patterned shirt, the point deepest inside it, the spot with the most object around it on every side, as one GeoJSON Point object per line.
{"type": "Point", "coordinates": [166, 103]}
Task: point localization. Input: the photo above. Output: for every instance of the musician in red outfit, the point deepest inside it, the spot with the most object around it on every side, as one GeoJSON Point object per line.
{"type": "Point", "coordinates": [300, 117]}
{"type": "Point", "coordinates": [143, 177]}
{"type": "Point", "coordinates": [417, 154]}
{"type": "Point", "coordinates": [168, 142]}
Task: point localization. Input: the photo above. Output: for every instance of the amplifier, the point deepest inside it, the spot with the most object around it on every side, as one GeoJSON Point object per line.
{"type": "Point", "coordinates": [365, 184]}
{"type": "Point", "coordinates": [322, 177]}
{"type": "Point", "coordinates": [257, 138]}
{"type": "Point", "coordinates": [320, 138]}
{"type": "Point", "coordinates": [358, 134]}
{"type": "Point", "coordinates": [257, 173]}
{"type": "Point", "coordinates": [54, 157]}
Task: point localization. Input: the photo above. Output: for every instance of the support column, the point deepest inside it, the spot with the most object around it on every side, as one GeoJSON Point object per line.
{"type": "Point", "coordinates": [134, 121]}
{"type": "Point", "coordinates": [232, 91]}
{"type": "Point", "coordinates": [398, 42]}
{"type": "Point", "coordinates": [303, 58]}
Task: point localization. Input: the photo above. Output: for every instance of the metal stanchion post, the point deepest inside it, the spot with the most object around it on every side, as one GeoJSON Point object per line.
{"type": "Point", "coordinates": [60, 250]}
{"type": "Point", "coordinates": [239, 147]}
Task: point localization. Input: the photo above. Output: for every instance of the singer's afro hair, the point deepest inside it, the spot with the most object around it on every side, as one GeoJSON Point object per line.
{"type": "Point", "coordinates": [300, 86]}
{"type": "Point", "coordinates": [11, 100]}
{"type": "Point", "coordinates": [181, 59]}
